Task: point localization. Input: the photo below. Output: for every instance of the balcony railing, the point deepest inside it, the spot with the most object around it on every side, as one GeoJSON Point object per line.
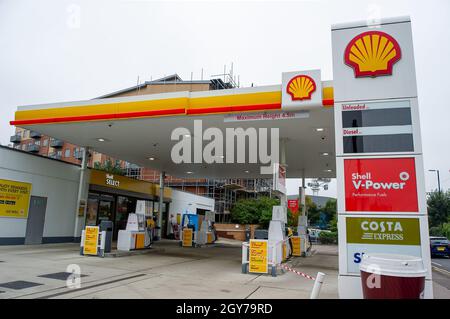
{"type": "Point", "coordinates": [55, 155]}
{"type": "Point", "coordinates": [34, 134]}
{"type": "Point", "coordinates": [56, 143]}
{"type": "Point", "coordinates": [78, 155]}
{"type": "Point", "coordinates": [15, 139]}
{"type": "Point", "coordinates": [33, 148]}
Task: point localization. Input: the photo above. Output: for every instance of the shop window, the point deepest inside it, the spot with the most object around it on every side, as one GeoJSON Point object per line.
{"type": "Point", "coordinates": [125, 205]}
{"type": "Point", "coordinates": [92, 207]}
{"type": "Point", "coordinates": [67, 152]}
{"type": "Point", "coordinates": [105, 208]}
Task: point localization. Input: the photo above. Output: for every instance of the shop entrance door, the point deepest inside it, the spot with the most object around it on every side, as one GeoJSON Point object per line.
{"type": "Point", "coordinates": [36, 219]}
{"type": "Point", "coordinates": [105, 208]}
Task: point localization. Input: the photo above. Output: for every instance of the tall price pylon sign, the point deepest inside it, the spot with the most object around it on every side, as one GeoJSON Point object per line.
{"type": "Point", "coordinates": [380, 174]}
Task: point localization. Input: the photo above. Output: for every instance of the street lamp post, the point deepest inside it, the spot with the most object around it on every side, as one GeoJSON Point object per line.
{"type": "Point", "coordinates": [438, 180]}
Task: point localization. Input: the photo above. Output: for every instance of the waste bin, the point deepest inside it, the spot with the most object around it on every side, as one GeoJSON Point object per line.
{"type": "Point", "coordinates": [389, 276]}
{"type": "Point", "coordinates": [107, 226]}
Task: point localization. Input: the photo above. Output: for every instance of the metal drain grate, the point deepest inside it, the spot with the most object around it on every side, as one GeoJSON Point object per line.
{"type": "Point", "coordinates": [59, 275]}
{"type": "Point", "coordinates": [19, 284]}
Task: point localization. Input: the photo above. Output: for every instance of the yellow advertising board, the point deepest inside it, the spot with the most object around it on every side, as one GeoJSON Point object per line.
{"type": "Point", "coordinates": [258, 256]}
{"type": "Point", "coordinates": [209, 237]}
{"type": "Point", "coordinates": [90, 240]}
{"type": "Point", "coordinates": [284, 251]}
{"type": "Point", "coordinates": [296, 246]}
{"type": "Point", "coordinates": [187, 237]}
{"type": "Point", "coordinates": [14, 198]}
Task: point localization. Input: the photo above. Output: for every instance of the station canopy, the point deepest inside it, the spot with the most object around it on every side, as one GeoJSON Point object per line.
{"type": "Point", "coordinates": [138, 129]}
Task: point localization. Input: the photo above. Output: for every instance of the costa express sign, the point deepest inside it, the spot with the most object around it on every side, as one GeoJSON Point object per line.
{"type": "Point", "coordinates": [380, 185]}
{"type": "Point", "coordinates": [383, 231]}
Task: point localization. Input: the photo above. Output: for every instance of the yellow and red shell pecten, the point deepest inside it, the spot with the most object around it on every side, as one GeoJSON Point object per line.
{"type": "Point", "coordinates": [372, 53]}
{"type": "Point", "coordinates": [301, 87]}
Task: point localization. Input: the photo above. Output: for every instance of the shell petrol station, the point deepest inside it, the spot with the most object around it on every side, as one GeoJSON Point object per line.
{"type": "Point", "coordinates": [361, 128]}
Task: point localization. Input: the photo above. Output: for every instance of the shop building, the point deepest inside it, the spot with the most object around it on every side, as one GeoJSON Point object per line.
{"type": "Point", "coordinates": [39, 200]}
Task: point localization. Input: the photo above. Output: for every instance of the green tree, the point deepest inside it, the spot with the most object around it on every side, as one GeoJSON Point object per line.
{"type": "Point", "coordinates": [334, 224]}
{"type": "Point", "coordinates": [254, 211]}
{"type": "Point", "coordinates": [292, 218]}
{"type": "Point", "coordinates": [438, 208]}
{"type": "Point", "coordinates": [312, 211]}
{"type": "Point", "coordinates": [110, 167]}
{"type": "Point", "coordinates": [441, 230]}
{"type": "Point", "coordinates": [330, 208]}
{"type": "Point", "coordinates": [446, 229]}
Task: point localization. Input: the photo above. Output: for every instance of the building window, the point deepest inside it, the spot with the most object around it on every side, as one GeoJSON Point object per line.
{"type": "Point", "coordinates": [67, 152]}
{"type": "Point", "coordinates": [45, 143]}
{"type": "Point", "coordinates": [37, 143]}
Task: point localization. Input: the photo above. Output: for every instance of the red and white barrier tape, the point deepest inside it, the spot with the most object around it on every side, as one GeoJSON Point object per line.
{"type": "Point", "coordinates": [298, 272]}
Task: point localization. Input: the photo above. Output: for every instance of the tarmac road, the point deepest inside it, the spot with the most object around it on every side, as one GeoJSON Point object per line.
{"type": "Point", "coordinates": [441, 263]}
{"type": "Point", "coordinates": [441, 275]}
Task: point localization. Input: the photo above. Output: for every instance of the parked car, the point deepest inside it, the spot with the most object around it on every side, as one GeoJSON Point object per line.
{"type": "Point", "coordinates": [439, 246]}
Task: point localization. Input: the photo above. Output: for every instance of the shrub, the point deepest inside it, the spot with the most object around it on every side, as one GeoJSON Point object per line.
{"type": "Point", "coordinates": [436, 231]}
{"type": "Point", "coordinates": [254, 211]}
{"type": "Point", "coordinates": [328, 237]}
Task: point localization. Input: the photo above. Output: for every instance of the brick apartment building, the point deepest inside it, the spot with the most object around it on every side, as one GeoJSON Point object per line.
{"type": "Point", "coordinates": [224, 191]}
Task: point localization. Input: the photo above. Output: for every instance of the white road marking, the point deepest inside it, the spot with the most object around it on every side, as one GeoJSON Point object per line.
{"type": "Point", "coordinates": [436, 264]}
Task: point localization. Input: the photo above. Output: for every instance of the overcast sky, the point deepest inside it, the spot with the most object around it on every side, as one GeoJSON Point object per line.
{"type": "Point", "coordinates": [52, 51]}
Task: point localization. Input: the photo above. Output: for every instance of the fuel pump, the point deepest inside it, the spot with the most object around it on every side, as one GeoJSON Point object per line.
{"type": "Point", "coordinates": [189, 221]}
{"type": "Point", "coordinates": [277, 233]}
{"type": "Point", "coordinates": [206, 234]}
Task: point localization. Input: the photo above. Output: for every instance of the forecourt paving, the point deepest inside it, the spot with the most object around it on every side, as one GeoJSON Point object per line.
{"type": "Point", "coordinates": [168, 271]}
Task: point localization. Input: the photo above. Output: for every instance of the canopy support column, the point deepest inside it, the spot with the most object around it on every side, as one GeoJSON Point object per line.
{"type": "Point", "coordinates": [83, 190]}
{"type": "Point", "coordinates": [162, 175]}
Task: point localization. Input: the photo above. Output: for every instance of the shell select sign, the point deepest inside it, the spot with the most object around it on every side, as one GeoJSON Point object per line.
{"type": "Point", "coordinates": [301, 87]}
{"type": "Point", "coordinates": [372, 53]}
{"type": "Point", "coordinates": [380, 185]}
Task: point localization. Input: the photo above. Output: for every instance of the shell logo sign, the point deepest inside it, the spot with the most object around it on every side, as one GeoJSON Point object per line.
{"type": "Point", "coordinates": [372, 53]}
{"type": "Point", "coordinates": [301, 87]}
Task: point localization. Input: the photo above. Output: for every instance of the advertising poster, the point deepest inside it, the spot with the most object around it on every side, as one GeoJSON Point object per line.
{"type": "Point", "coordinates": [293, 205]}
{"type": "Point", "coordinates": [296, 248]}
{"type": "Point", "coordinates": [381, 235]}
{"type": "Point", "coordinates": [14, 198]}
{"type": "Point", "coordinates": [90, 240]}
{"type": "Point", "coordinates": [258, 256]}
{"type": "Point", "coordinates": [380, 185]}
{"type": "Point", "coordinates": [187, 237]}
